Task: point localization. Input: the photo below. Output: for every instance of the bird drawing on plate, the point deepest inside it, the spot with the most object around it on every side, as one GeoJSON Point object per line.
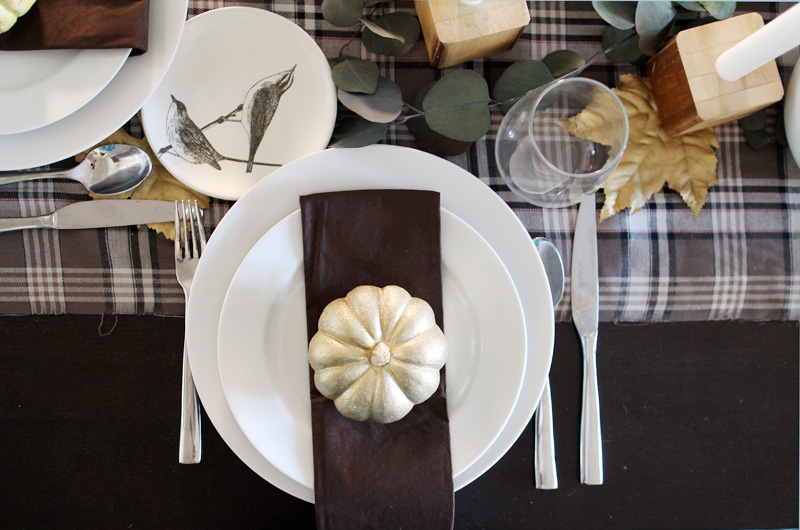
{"type": "Point", "coordinates": [187, 139]}
{"type": "Point", "coordinates": [260, 105]}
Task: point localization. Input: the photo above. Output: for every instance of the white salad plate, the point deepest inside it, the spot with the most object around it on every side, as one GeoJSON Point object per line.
{"type": "Point", "coordinates": [263, 346]}
{"type": "Point", "coordinates": [39, 87]}
{"type": "Point", "coordinates": [109, 110]}
{"type": "Point", "coordinates": [243, 79]}
{"type": "Point", "coordinates": [373, 167]}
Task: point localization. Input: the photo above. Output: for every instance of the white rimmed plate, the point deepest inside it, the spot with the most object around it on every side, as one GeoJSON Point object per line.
{"type": "Point", "coordinates": [377, 166]}
{"type": "Point", "coordinates": [111, 108]}
{"type": "Point", "coordinates": [42, 86]}
{"type": "Point", "coordinates": [233, 57]}
{"type": "Point", "coordinates": [263, 346]}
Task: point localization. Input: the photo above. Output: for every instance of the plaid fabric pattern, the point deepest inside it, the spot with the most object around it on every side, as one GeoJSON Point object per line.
{"type": "Point", "coordinates": [737, 260]}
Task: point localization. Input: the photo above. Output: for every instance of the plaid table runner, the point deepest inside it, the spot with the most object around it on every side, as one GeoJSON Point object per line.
{"type": "Point", "coordinates": [738, 260]}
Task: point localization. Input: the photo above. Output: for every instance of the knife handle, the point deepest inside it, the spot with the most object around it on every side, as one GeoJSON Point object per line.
{"type": "Point", "coordinates": [8, 177]}
{"type": "Point", "coordinates": [20, 223]}
{"type": "Point", "coordinates": [544, 455]}
{"type": "Point", "coordinates": [591, 455]}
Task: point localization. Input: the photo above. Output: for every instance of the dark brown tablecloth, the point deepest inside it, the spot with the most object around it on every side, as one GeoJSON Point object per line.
{"type": "Point", "coordinates": [369, 475]}
{"type": "Point", "coordinates": [81, 24]}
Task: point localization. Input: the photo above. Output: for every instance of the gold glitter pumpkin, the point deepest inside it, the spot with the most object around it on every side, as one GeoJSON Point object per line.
{"type": "Point", "coordinates": [377, 353]}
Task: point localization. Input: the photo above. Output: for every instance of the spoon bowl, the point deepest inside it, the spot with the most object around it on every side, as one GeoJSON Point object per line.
{"type": "Point", "coordinates": [106, 170]}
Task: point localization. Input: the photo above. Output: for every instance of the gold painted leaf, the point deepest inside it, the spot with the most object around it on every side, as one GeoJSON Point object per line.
{"type": "Point", "coordinates": [686, 163]}
{"type": "Point", "coordinates": [160, 185]}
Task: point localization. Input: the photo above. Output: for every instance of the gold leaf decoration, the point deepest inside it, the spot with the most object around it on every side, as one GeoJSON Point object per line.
{"type": "Point", "coordinates": [160, 185]}
{"type": "Point", "coordinates": [687, 163]}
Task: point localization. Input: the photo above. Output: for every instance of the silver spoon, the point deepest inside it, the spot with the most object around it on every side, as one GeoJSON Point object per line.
{"type": "Point", "coordinates": [544, 446]}
{"type": "Point", "coordinates": [106, 170]}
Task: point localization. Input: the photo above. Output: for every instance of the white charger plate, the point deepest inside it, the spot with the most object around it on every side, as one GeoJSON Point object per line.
{"type": "Point", "coordinates": [111, 108]}
{"type": "Point", "coordinates": [223, 54]}
{"type": "Point", "coordinates": [263, 346]}
{"type": "Point", "coordinates": [39, 87]}
{"type": "Point", "coordinates": [377, 166]}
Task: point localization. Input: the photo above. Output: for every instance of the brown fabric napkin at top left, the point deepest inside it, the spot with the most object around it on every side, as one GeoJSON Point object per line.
{"type": "Point", "coordinates": [81, 24]}
{"type": "Point", "coordinates": [366, 474]}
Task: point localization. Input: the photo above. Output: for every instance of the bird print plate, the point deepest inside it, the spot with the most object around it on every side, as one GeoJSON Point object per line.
{"type": "Point", "coordinates": [248, 92]}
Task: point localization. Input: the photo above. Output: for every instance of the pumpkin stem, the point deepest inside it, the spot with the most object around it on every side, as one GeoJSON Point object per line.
{"type": "Point", "coordinates": [380, 354]}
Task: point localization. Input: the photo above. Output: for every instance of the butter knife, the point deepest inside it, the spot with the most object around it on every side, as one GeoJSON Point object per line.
{"type": "Point", "coordinates": [585, 315]}
{"type": "Point", "coordinates": [97, 214]}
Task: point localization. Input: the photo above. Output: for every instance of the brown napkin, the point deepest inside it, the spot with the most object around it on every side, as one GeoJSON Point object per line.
{"type": "Point", "coordinates": [81, 24]}
{"type": "Point", "coordinates": [369, 475]}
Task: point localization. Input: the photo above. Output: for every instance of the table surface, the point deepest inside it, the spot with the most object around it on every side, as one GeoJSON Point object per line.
{"type": "Point", "coordinates": [699, 395]}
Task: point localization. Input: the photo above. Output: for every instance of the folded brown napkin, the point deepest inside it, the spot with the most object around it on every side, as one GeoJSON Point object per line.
{"type": "Point", "coordinates": [81, 24]}
{"type": "Point", "coordinates": [366, 474]}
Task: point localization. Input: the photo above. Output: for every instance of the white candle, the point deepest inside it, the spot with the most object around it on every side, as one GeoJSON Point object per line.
{"type": "Point", "coordinates": [774, 39]}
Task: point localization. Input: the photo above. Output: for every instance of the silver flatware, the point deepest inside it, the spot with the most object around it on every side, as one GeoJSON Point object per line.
{"type": "Point", "coordinates": [585, 315]}
{"type": "Point", "coordinates": [106, 170]}
{"type": "Point", "coordinates": [190, 243]}
{"type": "Point", "coordinates": [544, 454]}
{"type": "Point", "coordinates": [96, 214]}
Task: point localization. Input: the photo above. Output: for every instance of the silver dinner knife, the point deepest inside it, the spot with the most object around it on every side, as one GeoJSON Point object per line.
{"type": "Point", "coordinates": [585, 315]}
{"type": "Point", "coordinates": [97, 214]}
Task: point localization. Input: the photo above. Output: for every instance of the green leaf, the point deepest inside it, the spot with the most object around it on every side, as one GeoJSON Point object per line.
{"type": "Point", "coordinates": [720, 10]}
{"type": "Point", "coordinates": [621, 15]}
{"type": "Point", "coordinates": [756, 121]}
{"type": "Point", "coordinates": [457, 106]}
{"type": "Point", "coordinates": [654, 21]}
{"type": "Point", "coordinates": [382, 106]}
{"type": "Point", "coordinates": [757, 140]}
{"type": "Point", "coordinates": [405, 25]}
{"type": "Point", "coordinates": [356, 75]}
{"type": "Point", "coordinates": [376, 29]}
{"type": "Point", "coordinates": [628, 52]}
{"type": "Point", "coordinates": [355, 131]}
{"type": "Point", "coordinates": [342, 13]}
{"type": "Point", "coordinates": [429, 140]}
{"type": "Point", "coordinates": [691, 6]}
{"type": "Point", "coordinates": [520, 77]}
{"type": "Point", "coordinates": [561, 62]}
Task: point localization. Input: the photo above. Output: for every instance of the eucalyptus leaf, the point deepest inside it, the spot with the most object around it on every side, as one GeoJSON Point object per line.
{"type": "Point", "coordinates": [429, 140]}
{"type": "Point", "coordinates": [457, 106]}
{"type": "Point", "coordinates": [342, 13]}
{"type": "Point", "coordinates": [382, 106]}
{"type": "Point", "coordinates": [561, 62]}
{"type": "Point", "coordinates": [519, 78]}
{"type": "Point", "coordinates": [691, 6]}
{"type": "Point", "coordinates": [757, 140]}
{"type": "Point", "coordinates": [754, 122]}
{"type": "Point", "coordinates": [621, 15]}
{"type": "Point", "coordinates": [720, 10]}
{"type": "Point", "coordinates": [355, 131]}
{"type": "Point", "coordinates": [356, 75]}
{"type": "Point", "coordinates": [654, 20]}
{"type": "Point", "coordinates": [336, 60]}
{"type": "Point", "coordinates": [628, 52]}
{"type": "Point", "coordinates": [376, 29]}
{"type": "Point", "coordinates": [398, 23]}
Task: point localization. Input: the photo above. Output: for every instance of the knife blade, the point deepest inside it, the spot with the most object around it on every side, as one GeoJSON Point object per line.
{"type": "Point", "coordinates": [96, 214]}
{"type": "Point", "coordinates": [585, 315]}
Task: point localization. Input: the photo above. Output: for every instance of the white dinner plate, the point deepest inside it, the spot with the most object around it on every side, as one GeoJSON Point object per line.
{"type": "Point", "coordinates": [111, 108]}
{"type": "Point", "coordinates": [376, 166]}
{"type": "Point", "coordinates": [263, 346]}
{"type": "Point", "coordinates": [255, 69]}
{"type": "Point", "coordinates": [39, 87]}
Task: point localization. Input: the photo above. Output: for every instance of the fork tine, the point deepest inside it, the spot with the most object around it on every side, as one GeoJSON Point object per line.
{"type": "Point", "coordinates": [186, 233]}
{"type": "Point", "coordinates": [178, 250]}
{"type": "Point", "coordinates": [192, 228]}
{"type": "Point", "coordinates": [197, 218]}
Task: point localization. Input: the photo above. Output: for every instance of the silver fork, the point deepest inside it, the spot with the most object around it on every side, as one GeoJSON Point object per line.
{"type": "Point", "coordinates": [190, 243]}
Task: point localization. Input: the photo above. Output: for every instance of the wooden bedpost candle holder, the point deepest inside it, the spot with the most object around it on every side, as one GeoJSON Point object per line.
{"type": "Point", "coordinates": [689, 93]}
{"type": "Point", "coordinates": [456, 32]}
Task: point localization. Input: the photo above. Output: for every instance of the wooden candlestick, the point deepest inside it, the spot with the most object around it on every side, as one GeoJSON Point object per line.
{"type": "Point", "coordinates": [689, 93]}
{"type": "Point", "coordinates": [456, 32]}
